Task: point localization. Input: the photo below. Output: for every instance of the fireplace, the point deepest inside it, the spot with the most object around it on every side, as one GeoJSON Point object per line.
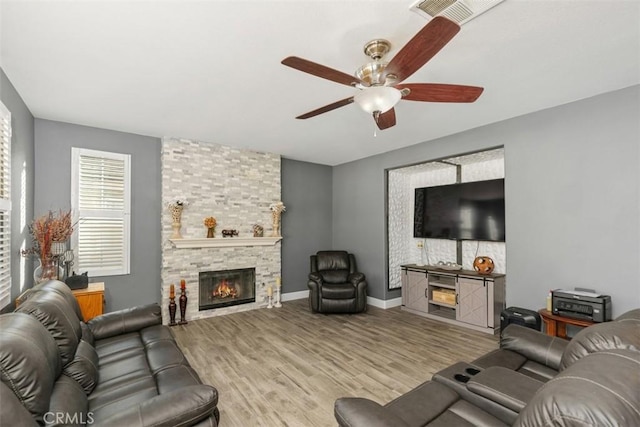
{"type": "Point", "coordinates": [225, 288]}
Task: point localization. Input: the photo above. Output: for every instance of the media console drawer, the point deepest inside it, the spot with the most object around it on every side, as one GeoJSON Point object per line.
{"type": "Point", "coordinates": [445, 296]}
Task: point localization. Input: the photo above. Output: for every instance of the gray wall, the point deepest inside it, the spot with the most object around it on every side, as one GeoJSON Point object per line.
{"type": "Point", "coordinates": [53, 192]}
{"type": "Point", "coordinates": [22, 172]}
{"type": "Point", "coordinates": [306, 225]}
{"type": "Point", "coordinates": [572, 199]}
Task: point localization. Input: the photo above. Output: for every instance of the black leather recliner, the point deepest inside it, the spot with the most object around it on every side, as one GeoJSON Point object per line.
{"type": "Point", "coordinates": [335, 285]}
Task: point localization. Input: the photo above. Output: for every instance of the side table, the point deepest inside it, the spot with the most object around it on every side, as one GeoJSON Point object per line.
{"type": "Point", "coordinates": [91, 300]}
{"type": "Point", "coordinates": [556, 326]}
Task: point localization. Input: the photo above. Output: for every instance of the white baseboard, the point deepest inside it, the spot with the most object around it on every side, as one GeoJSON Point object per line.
{"type": "Point", "coordinates": [375, 302]}
{"type": "Point", "coordinates": [290, 296]}
{"type": "Point", "coordinates": [390, 303]}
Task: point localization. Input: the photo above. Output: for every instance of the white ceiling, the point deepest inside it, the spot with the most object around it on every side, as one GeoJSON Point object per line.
{"type": "Point", "coordinates": [210, 70]}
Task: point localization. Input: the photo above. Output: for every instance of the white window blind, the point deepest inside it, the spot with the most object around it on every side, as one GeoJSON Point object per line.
{"type": "Point", "coordinates": [5, 206]}
{"type": "Point", "coordinates": [101, 203]}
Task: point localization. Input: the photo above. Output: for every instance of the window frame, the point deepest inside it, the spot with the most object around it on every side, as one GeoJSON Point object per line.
{"type": "Point", "coordinates": [78, 214]}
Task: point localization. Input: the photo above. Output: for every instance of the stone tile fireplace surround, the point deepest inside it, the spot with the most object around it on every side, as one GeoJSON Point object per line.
{"type": "Point", "coordinates": [234, 186]}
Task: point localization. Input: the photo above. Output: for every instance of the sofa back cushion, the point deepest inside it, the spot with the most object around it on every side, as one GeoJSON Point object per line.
{"type": "Point", "coordinates": [84, 367]}
{"type": "Point", "coordinates": [69, 406]}
{"type": "Point", "coordinates": [29, 362]}
{"type": "Point", "coordinates": [53, 311]}
{"type": "Point", "coordinates": [600, 389]}
{"type": "Point", "coordinates": [64, 290]}
{"type": "Point", "coordinates": [599, 337]}
{"type": "Point", "coordinates": [333, 266]}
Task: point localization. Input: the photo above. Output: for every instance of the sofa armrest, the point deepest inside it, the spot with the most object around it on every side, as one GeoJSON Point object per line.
{"type": "Point", "coordinates": [355, 278]}
{"type": "Point", "coordinates": [183, 407]}
{"type": "Point", "coordinates": [124, 321]}
{"type": "Point", "coordinates": [534, 345]}
{"type": "Point", "coordinates": [504, 386]}
{"type": "Point", "coordinates": [316, 278]}
{"type": "Point", "coordinates": [358, 412]}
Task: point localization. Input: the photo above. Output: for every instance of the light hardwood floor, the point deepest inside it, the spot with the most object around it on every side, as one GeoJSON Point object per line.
{"type": "Point", "coordinates": [287, 366]}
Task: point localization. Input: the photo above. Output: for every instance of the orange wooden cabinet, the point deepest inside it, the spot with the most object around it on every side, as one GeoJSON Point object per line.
{"type": "Point", "coordinates": [91, 300]}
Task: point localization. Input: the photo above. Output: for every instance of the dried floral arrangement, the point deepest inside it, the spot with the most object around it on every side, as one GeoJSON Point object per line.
{"type": "Point", "coordinates": [210, 222]}
{"type": "Point", "coordinates": [47, 229]}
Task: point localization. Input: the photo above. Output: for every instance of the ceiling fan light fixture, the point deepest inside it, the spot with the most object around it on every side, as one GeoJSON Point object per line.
{"type": "Point", "coordinates": [377, 98]}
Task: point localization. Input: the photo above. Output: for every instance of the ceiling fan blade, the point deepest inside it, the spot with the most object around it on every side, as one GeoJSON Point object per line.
{"type": "Point", "coordinates": [436, 92]}
{"type": "Point", "coordinates": [322, 71]}
{"type": "Point", "coordinates": [327, 108]}
{"type": "Point", "coordinates": [385, 120]}
{"type": "Point", "coordinates": [421, 48]}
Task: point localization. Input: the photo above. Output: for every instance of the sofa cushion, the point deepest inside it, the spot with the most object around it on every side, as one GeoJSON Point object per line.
{"type": "Point", "coordinates": [69, 405]}
{"type": "Point", "coordinates": [84, 367]}
{"type": "Point", "coordinates": [29, 361]}
{"type": "Point", "coordinates": [184, 407]}
{"type": "Point", "coordinates": [602, 336]}
{"type": "Point", "coordinates": [117, 400]}
{"type": "Point", "coordinates": [13, 412]}
{"type": "Point", "coordinates": [334, 276]}
{"type": "Point", "coordinates": [125, 321]}
{"type": "Point", "coordinates": [87, 335]}
{"type": "Point", "coordinates": [176, 377]}
{"type": "Point", "coordinates": [332, 260]}
{"type": "Point", "coordinates": [115, 348]}
{"type": "Point", "coordinates": [600, 389]}
{"type": "Point", "coordinates": [64, 290]}
{"type": "Point", "coordinates": [53, 311]}
{"type": "Point", "coordinates": [164, 354]}
{"type": "Point", "coordinates": [341, 291]}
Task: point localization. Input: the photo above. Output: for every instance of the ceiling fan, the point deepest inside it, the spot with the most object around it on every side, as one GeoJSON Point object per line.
{"type": "Point", "coordinates": [380, 82]}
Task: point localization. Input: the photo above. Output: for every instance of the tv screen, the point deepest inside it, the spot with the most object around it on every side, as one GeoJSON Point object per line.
{"type": "Point", "coordinates": [466, 211]}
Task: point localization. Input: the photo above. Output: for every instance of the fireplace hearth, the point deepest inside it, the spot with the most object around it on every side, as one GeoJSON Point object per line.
{"type": "Point", "coordinates": [224, 288]}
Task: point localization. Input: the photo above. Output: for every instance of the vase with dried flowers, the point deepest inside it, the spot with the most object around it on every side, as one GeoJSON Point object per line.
{"type": "Point", "coordinates": [50, 234]}
{"type": "Point", "coordinates": [210, 222]}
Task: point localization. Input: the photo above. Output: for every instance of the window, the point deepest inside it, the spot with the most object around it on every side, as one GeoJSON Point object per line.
{"type": "Point", "coordinates": [101, 202]}
{"type": "Point", "coordinates": [5, 206]}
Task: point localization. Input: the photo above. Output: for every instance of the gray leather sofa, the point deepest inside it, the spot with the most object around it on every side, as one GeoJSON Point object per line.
{"type": "Point", "coordinates": [532, 380]}
{"type": "Point", "coordinates": [335, 285]}
{"type": "Point", "coordinates": [120, 369]}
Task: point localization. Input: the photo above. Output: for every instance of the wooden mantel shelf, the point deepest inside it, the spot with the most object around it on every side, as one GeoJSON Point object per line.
{"type": "Point", "coordinates": [223, 242]}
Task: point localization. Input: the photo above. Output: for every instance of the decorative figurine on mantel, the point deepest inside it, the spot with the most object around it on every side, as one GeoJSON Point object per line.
{"type": "Point", "coordinates": [210, 222]}
{"type": "Point", "coordinates": [176, 208]}
{"type": "Point", "coordinates": [276, 212]}
{"type": "Point", "coordinates": [258, 230]}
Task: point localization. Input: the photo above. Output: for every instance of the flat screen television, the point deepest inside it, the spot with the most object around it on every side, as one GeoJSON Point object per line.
{"type": "Point", "coordinates": [466, 211]}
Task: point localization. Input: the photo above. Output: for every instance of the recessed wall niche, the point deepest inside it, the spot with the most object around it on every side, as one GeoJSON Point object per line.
{"type": "Point", "coordinates": [403, 247]}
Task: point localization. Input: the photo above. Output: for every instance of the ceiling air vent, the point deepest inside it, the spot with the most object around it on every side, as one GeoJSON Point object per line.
{"type": "Point", "coordinates": [460, 11]}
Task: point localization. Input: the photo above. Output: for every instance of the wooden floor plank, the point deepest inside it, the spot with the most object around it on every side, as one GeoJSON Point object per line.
{"type": "Point", "coordinates": [287, 366]}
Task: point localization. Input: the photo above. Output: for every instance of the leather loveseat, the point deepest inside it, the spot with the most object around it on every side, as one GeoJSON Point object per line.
{"type": "Point", "coordinates": [532, 380]}
{"type": "Point", "coordinates": [120, 369]}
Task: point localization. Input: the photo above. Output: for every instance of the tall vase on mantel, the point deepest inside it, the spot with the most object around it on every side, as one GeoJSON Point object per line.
{"type": "Point", "coordinates": [176, 208]}
{"type": "Point", "coordinates": [276, 213]}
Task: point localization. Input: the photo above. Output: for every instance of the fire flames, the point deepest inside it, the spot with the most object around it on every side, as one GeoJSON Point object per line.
{"type": "Point", "coordinates": [225, 290]}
